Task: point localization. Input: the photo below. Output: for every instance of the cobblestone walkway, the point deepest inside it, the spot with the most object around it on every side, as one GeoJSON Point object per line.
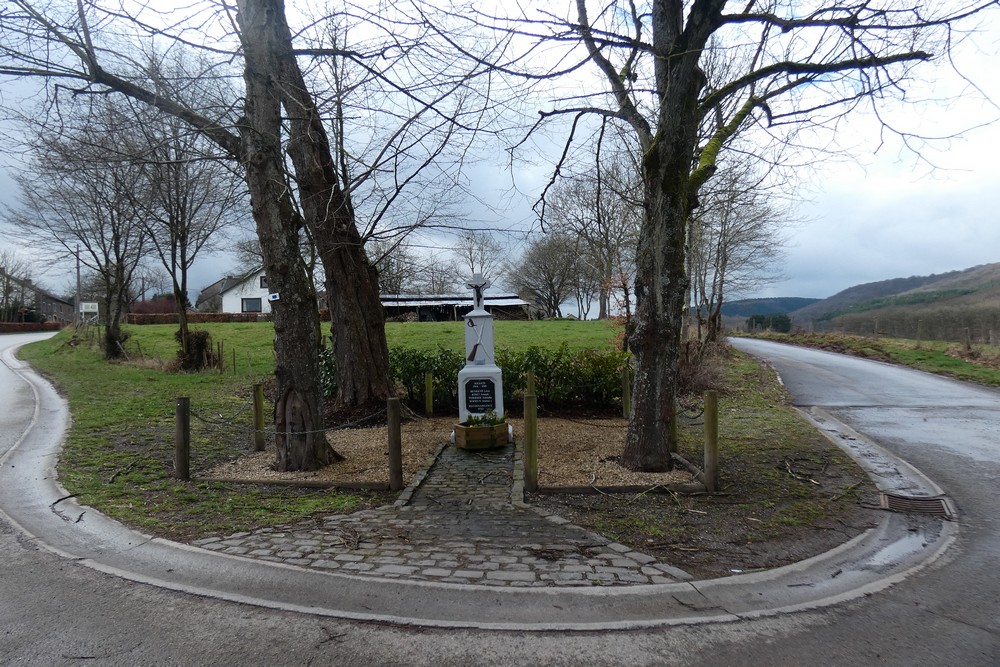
{"type": "Point", "coordinates": [459, 526]}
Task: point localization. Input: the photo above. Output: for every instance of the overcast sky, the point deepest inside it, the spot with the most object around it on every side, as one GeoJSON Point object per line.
{"type": "Point", "coordinates": [885, 215]}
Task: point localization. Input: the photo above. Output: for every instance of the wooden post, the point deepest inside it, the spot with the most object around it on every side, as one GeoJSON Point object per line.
{"type": "Point", "coordinates": [182, 438]}
{"type": "Point", "coordinates": [968, 340]}
{"type": "Point", "coordinates": [711, 441]}
{"type": "Point", "coordinates": [626, 391]}
{"type": "Point", "coordinates": [529, 389]}
{"type": "Point", "coordinates": [530, 442]}
{"type": "Point", "coordinates": [258, 417]}
{"type": "Point", "coordinates": [234, 361]}
{"type": "Point", "coordinates": [393, 412]}
{"type": "Point", "coordinates": [429, 394]}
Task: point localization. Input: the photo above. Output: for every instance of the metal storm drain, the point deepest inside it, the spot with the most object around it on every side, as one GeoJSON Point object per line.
{"type": "Point", "coordinates": [936, 506]}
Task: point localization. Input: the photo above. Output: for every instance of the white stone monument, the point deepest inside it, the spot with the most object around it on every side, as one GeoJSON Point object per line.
{"type": "Point", "coordinates": [480, 384]}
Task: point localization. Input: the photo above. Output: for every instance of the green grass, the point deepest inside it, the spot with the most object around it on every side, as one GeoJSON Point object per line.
{"type": "Point", "coordinates": [516, 335]}
{"type": "Point", "coordinates": [119, 451]}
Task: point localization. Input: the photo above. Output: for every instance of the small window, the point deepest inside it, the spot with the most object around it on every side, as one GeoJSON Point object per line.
{"type": "Point", "coordinates": [263, 282]}
{"type": "Point", "coordinates": [251, 305]}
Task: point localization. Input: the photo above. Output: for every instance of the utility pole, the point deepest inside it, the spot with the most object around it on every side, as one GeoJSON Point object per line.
{"type": "Point", "coordinates": [76, 315]}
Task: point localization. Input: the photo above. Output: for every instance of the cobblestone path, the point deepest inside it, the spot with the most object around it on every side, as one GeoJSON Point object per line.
{"type": "Point", "coordinates": [459, 526]}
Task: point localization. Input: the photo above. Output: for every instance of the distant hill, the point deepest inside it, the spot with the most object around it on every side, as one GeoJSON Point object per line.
{"type": "Point", "coordinates": [772, 306]}
{"type": "Point", "coordinates": [938, 306]}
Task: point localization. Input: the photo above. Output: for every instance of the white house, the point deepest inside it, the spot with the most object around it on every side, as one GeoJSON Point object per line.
{"type": "Point", "coordinates": [240, 294]}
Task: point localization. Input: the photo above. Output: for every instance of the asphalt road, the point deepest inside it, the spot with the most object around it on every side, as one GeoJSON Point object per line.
{"type": "Point", "coordinates": [54, 612]}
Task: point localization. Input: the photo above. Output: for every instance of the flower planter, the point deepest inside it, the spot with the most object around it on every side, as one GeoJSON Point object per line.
{"type": "Point", "coordinates": [480, 437]}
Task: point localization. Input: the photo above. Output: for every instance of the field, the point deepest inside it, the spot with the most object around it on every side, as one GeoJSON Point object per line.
{"type": "Point", "coordinates": [252, 343]}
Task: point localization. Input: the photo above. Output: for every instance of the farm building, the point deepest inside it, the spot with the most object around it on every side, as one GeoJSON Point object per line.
{"type": "Point", "coordinates": [249, 294]}
{"type": "Point", "coordinates": [443, 307]}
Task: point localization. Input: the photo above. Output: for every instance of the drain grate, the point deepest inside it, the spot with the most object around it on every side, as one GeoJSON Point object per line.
{"type": "Point", "coordinates": [936, 506]}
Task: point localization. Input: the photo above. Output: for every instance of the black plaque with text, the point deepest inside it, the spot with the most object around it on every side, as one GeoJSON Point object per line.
{"type": "Point", "coordinates": [480, 395]}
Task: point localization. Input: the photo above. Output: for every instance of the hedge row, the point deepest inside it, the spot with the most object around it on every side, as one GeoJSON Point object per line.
{"type": "Point", "coordinates": [193, 318]}
{"type": "Point", "coordinates": [28, 327]}
{"type": "Point", "coordinates": [590, 379]}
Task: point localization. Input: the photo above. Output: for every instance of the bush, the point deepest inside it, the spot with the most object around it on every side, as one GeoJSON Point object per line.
{"type": "Point", "coordinates": [193, 318]}
{"type": "Point", "coordinates": [328, 372]}
{"type": "Point", "coordinates": [199, 354]}
{"type": "Point", "coordinates": [588, 379]}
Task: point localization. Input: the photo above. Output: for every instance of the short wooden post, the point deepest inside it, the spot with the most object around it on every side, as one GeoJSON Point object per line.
{"type": "Point", "coordinates": [626, 391]}
{"type": "Point", "coordinates": [529, 388]}
{"type": "Point", "coordinates": [429, 394]}
{"type": "Point", "coordinates": [182, 438]}
{"type": "Point", "coordinates": [968, 340]}
{"type": "Point", "coordinates": [234, 361]}
{"type": "Point", "coordinates": [258, 417]}
{"type": "Point", "coordinates": [393, 413]}
{"type": "Point", "coordinates": [530, 442]}
{"type": "Point", "coordinates": [711, 441]}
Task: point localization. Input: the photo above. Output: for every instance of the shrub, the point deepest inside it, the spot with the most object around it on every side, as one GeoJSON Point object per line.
{"type": "Point", "coordinates": [563, 379]}
{"type": "Point", "coordinates": [199, 353]}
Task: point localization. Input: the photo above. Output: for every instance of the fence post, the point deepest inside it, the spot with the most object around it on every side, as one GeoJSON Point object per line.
{"type": "Point", "coordinates": [182, 438]}
{"type": "Point", "coordinates": [968, 340]}
{"type": "Point", "coordinates": [529, 389]}
{"type": "Point", "coordinates": [258, 417]}
{"type": "Point", "coordinates": [711, 440]}
{"type": "Point", "coordinates": [530, 442]}
{"type": "Point", "coordinates": [429, 394]}
{"type": "Point", "coordinates": [393, 413]}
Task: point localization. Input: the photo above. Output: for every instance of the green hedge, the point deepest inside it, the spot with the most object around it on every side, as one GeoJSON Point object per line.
{"type": "Point", "coordinates": [590, 379]}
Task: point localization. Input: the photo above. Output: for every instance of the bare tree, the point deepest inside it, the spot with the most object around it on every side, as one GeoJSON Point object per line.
{"type": "Point", "coordinates": [437, 276]}
{"type": "Point", "coordinates": [480, 252]}
{"type": "Point", "coordinates": [736, 240]}
{"type": "Point", "coordinates": [601, 208]}
{"type": "Point", "coordinates": [800, 65]}
{"type": "Point", "coordinates": [298, 168]}
{"type": "Point", "coordinates": [398, 267]}
{"type": "Point", "coordinates": [74, 196]}
{"type": "Point", "coordinates": [545, 274]}
{"type": "Point", "coordinates": [190, 197]}
{"type": "Point", "coordinates": [15, 273]}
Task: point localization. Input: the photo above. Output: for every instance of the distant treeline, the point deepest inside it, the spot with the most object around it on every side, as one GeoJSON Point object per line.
{"type": "Point", "coordinates": [980, 325]}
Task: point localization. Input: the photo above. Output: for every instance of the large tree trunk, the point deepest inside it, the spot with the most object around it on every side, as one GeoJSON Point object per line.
{"type": "Point", "coordinates": [358, 325]}
{"type": "Point", "coordinates": [300, 439]}
{"type": "Point", "coordinates": [661, 291]}
{"type": "Point", "coordinates": [356, 318]}
{"type": "Point", "coordinates": [661, 285]}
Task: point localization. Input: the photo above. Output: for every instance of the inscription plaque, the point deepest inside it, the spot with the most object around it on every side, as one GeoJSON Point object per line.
{"type": "Point", "coordinates": [480, 395]}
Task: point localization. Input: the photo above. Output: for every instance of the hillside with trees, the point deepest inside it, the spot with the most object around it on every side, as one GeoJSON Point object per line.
{"type": "Point", "coordinates": [939, 306]}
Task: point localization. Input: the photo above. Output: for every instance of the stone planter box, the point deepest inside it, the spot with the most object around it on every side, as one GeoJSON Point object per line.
{"type": "Point", "coordinates": [480, 437]}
